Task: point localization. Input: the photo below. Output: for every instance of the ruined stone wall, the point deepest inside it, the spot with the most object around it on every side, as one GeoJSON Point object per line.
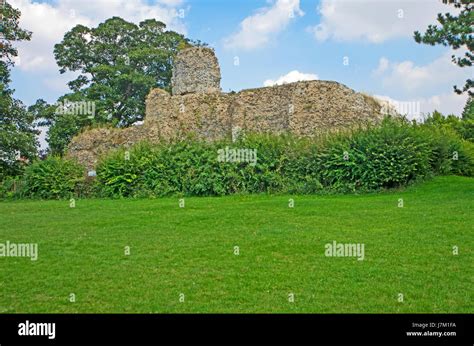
{"type": "Point", "coordinates": [88, 147]}
{"type": "Point", "coordinates": [206, 115]}
{"type": "Point", "coordinates": [302, 108]}
{"type": "Point", "coordinates": [196, 70]}
{"type": "Point", "coordinates": [197, 106]}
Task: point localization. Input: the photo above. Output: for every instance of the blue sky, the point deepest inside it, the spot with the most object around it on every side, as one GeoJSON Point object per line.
{"type": "Point", "coordinates": [273, 41]}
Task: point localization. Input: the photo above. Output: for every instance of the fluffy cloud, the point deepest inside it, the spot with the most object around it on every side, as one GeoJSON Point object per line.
{"type": "Point", "coordinates": [408, 78]}
{"type": "Point", "coordinates": [383, 65]}
{"type": "Point", "coordinates": [171, 2]}
{"type": "Point", "coordinates": [375, 20]}
{"type": "Point", "coordinates": [290, 77]}
{"type": "Point", "coordinates": [417, 109]}
{"type": "Point", "coordinates": [49, 23]}
{"type": "Point", "coordinates": [256, 30]}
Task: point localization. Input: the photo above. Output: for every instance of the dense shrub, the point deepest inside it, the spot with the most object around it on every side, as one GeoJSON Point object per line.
{"type": "Point", "coordinates": [52, 178]}
{"type": "Point", "coordinates": [10, 187]}
{"type": "Point", "coordinates": [462, 127]}
{"type": "Point", "coordinates": [191, 168]}
{"type": "Point", "coordinates": [389, 155]}
{"type": "Point", "coordinates": [381, 157]}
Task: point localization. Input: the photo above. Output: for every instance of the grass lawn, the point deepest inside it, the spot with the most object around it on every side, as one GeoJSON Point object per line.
{"type": "Point", "coordinates": [190, 250]}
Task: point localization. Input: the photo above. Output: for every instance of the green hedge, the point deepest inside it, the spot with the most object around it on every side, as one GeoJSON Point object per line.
{"type": "Point", "coordinates": [10, 187]}
{"type": "Point", "coordinates": [392, 154]}
{"type": "Point", "coordinates": [52, 178]}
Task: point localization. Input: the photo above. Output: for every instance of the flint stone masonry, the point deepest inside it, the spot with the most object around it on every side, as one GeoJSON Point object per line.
{"type": "Point", "coordinates": [196, 70]}
{"type": "Point", "coordinates": [302, 108]}
{"type": "Point", "coordinates": [88, 147]}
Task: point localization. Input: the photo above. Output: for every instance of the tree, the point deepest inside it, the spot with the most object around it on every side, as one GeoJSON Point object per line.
{"type": "Point", "coordinates": [17, 134]}
{"type": "Point", "coordinates": [119, 63]}
{"type": "Point", "coordinates": [63, 125]}
{"type": "Point", "coordinates": [468, 112]}
{"type": "Point", "coordinates": [455, 31]}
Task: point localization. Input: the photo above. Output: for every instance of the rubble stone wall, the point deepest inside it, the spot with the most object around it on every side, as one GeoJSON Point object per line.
{"type": "Point", "coordinates": [197, 106]}
{"type": "Point", "coordinates": [196, 70]}
{"type": "Point", "coordinates": [302, 108]}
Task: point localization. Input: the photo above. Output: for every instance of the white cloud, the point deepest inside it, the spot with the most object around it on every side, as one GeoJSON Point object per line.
{"type": "Point", "coordinates": [37, 55]}
{"type": "Point", "coordinates": [49, 23]}
{"type": "Point", "coordinates": [256, 30]}
{"type": "Point", "coordinates": [58, 83]}
{"type": "Point", "coordinates": [290, 77]}
{"type": "Point", "coordinates": [409, 78]}
{"type": "Point", "coordinates": [429, 85]}
{"type": "Point", "coordinates": [418, 108]}
{"type": "Point", "coordinates": [383, 65]}
{"type": "Point", "coordinates": [134, 11]}
{"type": "Point", "coordinates": [375, 20]}
{"type": "Point", "coordinates": [172, 3]}
{"type": "Point", "coordinates": [41, 137]}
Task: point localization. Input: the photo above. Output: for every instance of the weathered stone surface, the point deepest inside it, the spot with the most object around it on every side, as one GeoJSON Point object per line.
{"type": "Point", "coordinates": [196, 70]}
{"type": "Point", "coordinates": [206, 115]}
{"type": "Point", "coordinates": [302, 108]}
{"type": "Point", "coordinates": [88, 147]}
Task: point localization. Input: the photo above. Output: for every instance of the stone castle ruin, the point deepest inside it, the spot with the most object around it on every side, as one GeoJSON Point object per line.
{"type": "Point", "coordinates": [196, 71]}
{"type": "Point", "coordinates": [198, 106]}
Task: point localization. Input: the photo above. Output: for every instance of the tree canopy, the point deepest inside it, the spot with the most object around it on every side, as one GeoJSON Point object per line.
{"type": "Point", "coordinates": [17, 133]}
{"type": "Point", "coordinates": [455, 31]}
{"type": "Point", "coordinates": [118, 63]}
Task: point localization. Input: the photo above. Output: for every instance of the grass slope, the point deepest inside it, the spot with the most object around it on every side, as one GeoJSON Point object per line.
{"type": "Point", "coordinates": [407, 250]}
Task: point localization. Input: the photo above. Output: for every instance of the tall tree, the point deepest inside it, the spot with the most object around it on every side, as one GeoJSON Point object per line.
{"type": "Point", "coordinates": [455, 31]}
{"type": "Point", "coordinates": [118, 63]}
{"type": "Point", "coordinates": [17, 133]}
{"type": "Point", "coordinates": [468, 112]}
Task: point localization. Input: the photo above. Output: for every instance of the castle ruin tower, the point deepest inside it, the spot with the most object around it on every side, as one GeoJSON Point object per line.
{"type": "Point", "coordinates": [196, 70]}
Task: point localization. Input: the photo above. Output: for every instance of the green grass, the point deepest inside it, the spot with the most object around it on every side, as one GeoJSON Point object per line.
{"type": "Point", "coordinates": [407, 250]}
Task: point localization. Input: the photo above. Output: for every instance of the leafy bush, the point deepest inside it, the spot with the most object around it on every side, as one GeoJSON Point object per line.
{"type": "Point", "coordinates": [390, 155]}
{"type": "Point", "coordinates": [10, 186]}
{"type": "Point", "coordinates": [386, 156]}
{"type": "Point", "coordinates": [450, 154]}
{"type": "Point", "coordinates": [189, 168]}
{"type": "Point", "coordinates": [463, 127]}
{"type": "Point", "coordinates": [53, 178]}
{"type": "Point", "coordinates": [468, 112]}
